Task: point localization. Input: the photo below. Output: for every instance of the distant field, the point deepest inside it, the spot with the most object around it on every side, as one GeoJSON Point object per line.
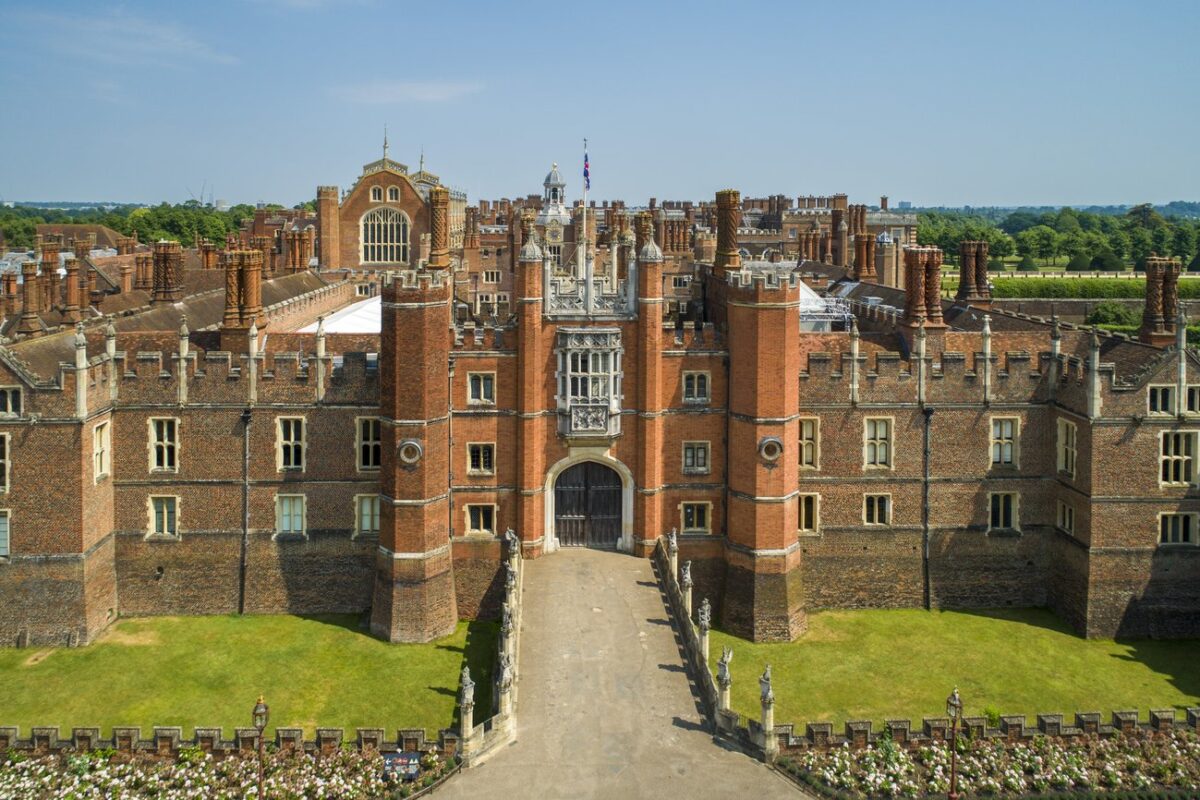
{"type": "Point", "coordinates": [902, 664]}
{"type": "Point", "coordinates": [209, 671]}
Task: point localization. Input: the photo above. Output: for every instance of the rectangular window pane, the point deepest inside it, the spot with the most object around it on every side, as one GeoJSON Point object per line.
{"type": "Point", "coordinates": [4, 540]}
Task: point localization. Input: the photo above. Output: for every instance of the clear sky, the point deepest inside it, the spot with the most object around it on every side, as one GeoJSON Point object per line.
{"type": "Point", "coordinates": [955, 102]}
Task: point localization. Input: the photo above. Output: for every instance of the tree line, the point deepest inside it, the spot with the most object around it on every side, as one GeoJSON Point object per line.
{"type": "Point", "coordinates": [1084, 239]}
{"type": "Point", "coordinates": [183, 222]}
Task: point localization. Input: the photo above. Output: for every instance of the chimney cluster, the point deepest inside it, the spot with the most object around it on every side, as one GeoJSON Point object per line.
{"type": "Point", "coordinates": [973, 286]}
{"type": "Point", "coordinates": [864, 258]}
{"type": "Point", "coordinates": [923, 286]}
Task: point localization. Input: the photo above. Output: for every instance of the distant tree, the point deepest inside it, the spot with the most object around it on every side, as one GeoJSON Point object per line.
{"type": "Point", "coordinates": [1027, 264]}
{"type": "Point", "coordinates": [1118, 242]}
{"type": "Point", "coordinates": [1184, 243]}
{"type": "Point", "coordinates": [1067, 221]}
{"type": "Point", "coordinates": [1041, 242]}
{"type": "Point", "coordinates": [307, 205]}
{"type": "Point", "coordinates": [1079, 263]}
{"type": "Point", "coordinates": [1107, 261]}
{"type": "Point", "coordinates": [1144, 216]}
{"type": "Point", "coordinates": [1109, 312]}
{"type": "Point", "coordinates": [1140, 245]}
{"type": "Point", "coordinates": [1018, 221]}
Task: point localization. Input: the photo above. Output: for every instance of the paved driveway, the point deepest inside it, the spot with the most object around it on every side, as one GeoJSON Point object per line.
{"type": "Point", "coordinates": [605, 708]}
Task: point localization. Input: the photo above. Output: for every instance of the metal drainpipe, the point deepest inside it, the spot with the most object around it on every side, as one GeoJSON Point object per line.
{"type": "Point", "coordinates": [450, 450]}
{"type": "Point", "coordinates": [245, 510]}
{"type": "Point", "coordinates": [928, 412]}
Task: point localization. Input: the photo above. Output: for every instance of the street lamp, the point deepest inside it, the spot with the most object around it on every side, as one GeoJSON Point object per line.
{"type": "Point", "coordinates": [953, 711]}
{"type": "Point", "coordinates": [261, 715]}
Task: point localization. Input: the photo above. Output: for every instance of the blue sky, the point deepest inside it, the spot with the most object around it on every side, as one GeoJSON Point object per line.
{"type": "Point", "coordinates": [934, 102]}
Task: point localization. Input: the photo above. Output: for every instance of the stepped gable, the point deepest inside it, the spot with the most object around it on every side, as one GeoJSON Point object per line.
{"type": "Point", "coordinates": [44, 355]}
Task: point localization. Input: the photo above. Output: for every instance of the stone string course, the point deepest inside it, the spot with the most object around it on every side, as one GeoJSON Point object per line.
{"type": "Point", "coordinates": [765, 739]}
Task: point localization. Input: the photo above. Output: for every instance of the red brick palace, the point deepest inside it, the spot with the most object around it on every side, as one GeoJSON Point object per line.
{"type": "Point", "coordinates": [179, 434]}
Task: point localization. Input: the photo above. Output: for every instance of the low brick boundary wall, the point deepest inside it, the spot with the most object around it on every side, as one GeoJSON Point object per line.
{"type": "Point", "coordinates": [166, 742]}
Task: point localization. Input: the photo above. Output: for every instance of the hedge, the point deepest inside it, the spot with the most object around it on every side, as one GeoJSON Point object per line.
{"type": "Point", "coordinates": [1082, 288]}
{"type": "Point", "coordinates": [1193, 331]}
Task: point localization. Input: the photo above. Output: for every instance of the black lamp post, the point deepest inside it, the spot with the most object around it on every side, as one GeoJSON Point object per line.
{"type": "Point", "coordinates": [261, 715]}
{"type": "Point", "coordinates": [953, 711]}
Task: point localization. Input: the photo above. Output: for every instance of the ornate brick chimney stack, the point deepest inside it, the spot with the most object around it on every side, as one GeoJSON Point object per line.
{"type": "Point", "coordinates": [72, 308]}
{"type": "Point", "coordinates": [29, 322]}
{"type": "Point", "coordinates": [729, 214]}
{"type": "Point", "coordinates": [243, 298]}
{"type": "Point", "coordinates": [864, 258]}
{"type": "Point", "coordinates": [439, 240]}
{"type": "Point", "coordinates": [841, 236]}
{"type": "Point", "coordinates": [1162, 301]}
{"type": "Point", "coordinates": [8, 281]}
{"type": "Point", "coordinates": [923, 289]}
{"type": "Point", "coordinates": [51, 282]}
{"type": "Point", "coordinates": [168, 271]}
{"type": "Point", "coordinates": [143, 272]}
{"type": "Point", "coordinates": [973, 286]}
{"type": "Point", "coordinates": [883, 203]}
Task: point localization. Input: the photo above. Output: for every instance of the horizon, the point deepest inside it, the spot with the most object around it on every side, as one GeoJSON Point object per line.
{"type": "Point", "coordinates": [263, 100]}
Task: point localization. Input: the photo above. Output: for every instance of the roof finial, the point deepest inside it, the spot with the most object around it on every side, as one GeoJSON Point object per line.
{"type": "Point", "coordinates": [422, 158]}
{"type": "Point", "coordinates": [385, 142]}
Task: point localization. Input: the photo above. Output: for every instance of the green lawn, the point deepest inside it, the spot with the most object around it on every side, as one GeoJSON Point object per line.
{"type": "Point", "coordinates": [209, 671]}
{"type": "Point", "coordinates": [898, 664]}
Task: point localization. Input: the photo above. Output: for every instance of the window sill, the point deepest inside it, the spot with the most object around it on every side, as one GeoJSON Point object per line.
{"type": "Point", "coordinates": [290, 536]}
{"type": "Point", "coordinates": [1161, 546]}
{"type": "Point", "coordinates": [163, 471]}
{"type": "Point", "coordinates": [481, 534]}
{"type": "Point", "coordinates": [696, 401]}
{"type": "Point", "coordinates": [697, 531]}
{"type": "Point", "coordinates": [697, 472]}
{"type": "Point", "coordinates": [475, 473]}
{"type": "Point", "coordinates": [1004, 532]}
{"type": "Point", "coordinates": [163, 537]}
{"type": "Point", "coordinates": [484, 403]}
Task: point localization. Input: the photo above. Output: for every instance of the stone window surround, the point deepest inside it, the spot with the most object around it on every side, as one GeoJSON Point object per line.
{"type": "Point", "coordinates": [484, 472]}
{"type": "Point", "coordinates": [888, 509]}
{"type": "Point", "coordinates": [151, 533]}
{"type": "Point", "coordinates": [280, 533]}
{"type": "Point", "coordinates": [1158, 390]}
{"type": "Point", "coordinates": [280, 443]}
{"type": "Point", "coordinates": [358, 516]}
{"type": "Point", "coordinates": [393, 194]}
{"type": "Point", "coordinates": [1195, 520]}
{"type": "Point", "coordinates": [889, 440]}
{"type": "Point", "coordinates": [708, 521]}
{"type": "Point", "coordinates": [6, 542]}
{"type": "Point", "coordinates": [9, 392]}
{"type": "Point", "coordinates": [491, 276]}
{"type": "Point", "coordinates": [101, 451]}
{"type": "Point", "coordinates": [1015, 442]}
{"type": "Point", "coordinates": [696, 470]}
{"type": "Point", "coordinates": [814, 443]}
{"type": "Point", "coordinates": [1016, 511]}
{"type": "Point", "coordinates": [697, 399]}
{"type": "Point", "coordinates": [485, 398]}
{"type": "Point", "coordinates": [359, 441]}
{"type": "Point", "coordinates": [1067, 447]}
{"type": "Point", "coordinates": [816, 514]}
{"type": "Point", "coordinates": [5, 460]}
{"type": "Point", "coordinates": [153, 443]}
{"type": "Point", "coordinates": [495, 508]}
{"type": "Point", "coordinates": [1189, 459]}
{"type": "Point", "coordinates": [1065, 518]}
{"type": "Point", "coordinates": [386, 215]}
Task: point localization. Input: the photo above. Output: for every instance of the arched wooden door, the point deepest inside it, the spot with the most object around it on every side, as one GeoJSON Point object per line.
{"type": "Point", "coordinates": [587, 506]}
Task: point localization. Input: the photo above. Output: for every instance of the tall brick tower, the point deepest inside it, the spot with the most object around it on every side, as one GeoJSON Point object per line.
{"type": "Point", "coordinates": [763, 591]}
{"type": "Point", "coordinates": [414, 598]}
{"type": "Point", "coordinates": [532, 347]}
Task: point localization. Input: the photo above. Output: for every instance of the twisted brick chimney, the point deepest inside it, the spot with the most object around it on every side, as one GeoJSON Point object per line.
{"type": "Point", "coordinates": [168, 271]}
{"type": "Point", "coordinates": [729, 214]}
{"type": "Point", "coordinates": [973, 286]}
{"type": "Point", "coordinates": [1162, 301]}
{"type": "Point", "coordinates": [439, 240]}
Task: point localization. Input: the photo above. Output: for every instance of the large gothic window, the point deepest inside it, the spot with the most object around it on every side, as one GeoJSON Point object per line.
{"type": "Point", "coordinates": [589, 380]}
{"type": "Point", "coordinates": [384, 237]}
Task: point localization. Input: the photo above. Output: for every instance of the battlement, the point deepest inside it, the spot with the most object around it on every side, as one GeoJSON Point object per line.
{"type": "Point", "coordinates": [416, 279]}
{"type": "Point", "coordinates": [762, 278]}
{"type": "Point", "coordinates": [691, 338]}
{"type": "Point", "coordinates": [472, 337]}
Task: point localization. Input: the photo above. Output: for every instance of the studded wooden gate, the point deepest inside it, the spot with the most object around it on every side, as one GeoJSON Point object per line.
{"type": "Point", "coordinates": [587, 506]}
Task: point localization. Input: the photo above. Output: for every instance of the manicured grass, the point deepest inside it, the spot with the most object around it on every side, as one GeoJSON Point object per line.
{"type": "Point", "coordinates": [901, 664]}
{"type": "Point", "coordinates": [209, 671]}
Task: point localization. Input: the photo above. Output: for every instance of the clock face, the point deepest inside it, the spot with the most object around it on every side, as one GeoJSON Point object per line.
{"type": "Point", "coordinates": [554, 231]}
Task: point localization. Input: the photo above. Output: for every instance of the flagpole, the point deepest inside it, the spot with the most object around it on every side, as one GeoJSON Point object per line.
{"type": "Point", "coordinates": [585, 192]}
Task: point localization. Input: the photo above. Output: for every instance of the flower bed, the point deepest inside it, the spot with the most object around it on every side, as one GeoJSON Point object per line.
{"type": "Point", "coordinates": [1142, 764]}
{"type": "Point", "coordinates": [196, 774]}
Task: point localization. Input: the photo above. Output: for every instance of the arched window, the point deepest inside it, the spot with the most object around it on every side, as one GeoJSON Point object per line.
{"type": "Point", "coordinates": [393, 194]}
{"type": "Point", "coordinates": [384, 237]}
{"type": "Point", "coordinates": [376, 194]}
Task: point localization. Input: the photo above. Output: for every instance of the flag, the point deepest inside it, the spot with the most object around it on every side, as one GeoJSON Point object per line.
{"type": "Point", "coordinates": [587, 174]}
